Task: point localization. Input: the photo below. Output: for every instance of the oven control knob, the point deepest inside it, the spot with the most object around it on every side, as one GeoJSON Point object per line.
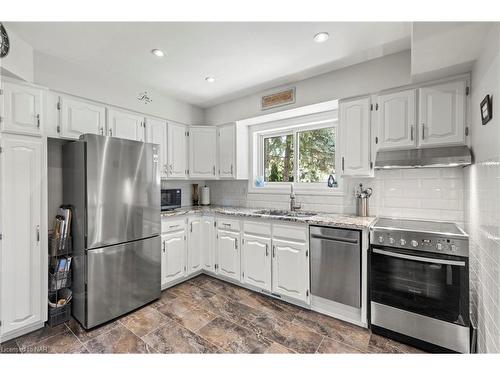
{"type": "Point", "coordinates": [453, 247]}
{"type": "Point", "coordinates": [439, 246]}
{"type": "Point", "coordinates": [391, 240]}
{"type": "Point", "coordinates": [402, 242]}
{"type": "Point", "coordinates": [414, 243]}
{"type": "Point", "coordinates": [381, 239]}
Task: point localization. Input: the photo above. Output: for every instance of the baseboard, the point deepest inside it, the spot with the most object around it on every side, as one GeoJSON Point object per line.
{"type": "Point", "coordinates": [21, 331]}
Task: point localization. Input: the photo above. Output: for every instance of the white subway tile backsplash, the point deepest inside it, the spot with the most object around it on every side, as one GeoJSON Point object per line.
{"type": "Point", "coordinates": [396, 193]}
{"type": "Point", "coordinates": [483, 210]}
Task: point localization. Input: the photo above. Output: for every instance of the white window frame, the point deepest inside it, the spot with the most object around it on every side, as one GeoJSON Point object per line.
{"type": "Point", "coordinates": [293, 126]}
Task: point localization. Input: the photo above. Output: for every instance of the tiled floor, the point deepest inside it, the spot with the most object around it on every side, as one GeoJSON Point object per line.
{"type": "Point", "coordinates": [206, 315]}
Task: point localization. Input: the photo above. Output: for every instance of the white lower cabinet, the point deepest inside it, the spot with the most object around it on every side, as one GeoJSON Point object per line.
{"type": "Point", "coordinates": [256, 261]}
{"type": "Point", "coordinates": [228, 254]}
{"type": "Point", "coordinates": [290, 269]}
{"type": "Point", "coordinates": [195, 243]}
{"type": "Point", "coordinates": [23, 250]}
{"type": "Point", "coordinates": [208, 242]}
{"type": "Point", "coordinates": [174, 246]}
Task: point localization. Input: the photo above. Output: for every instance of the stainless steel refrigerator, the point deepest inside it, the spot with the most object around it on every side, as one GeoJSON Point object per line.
{"type": "Point", "coordinates": [114, 187]}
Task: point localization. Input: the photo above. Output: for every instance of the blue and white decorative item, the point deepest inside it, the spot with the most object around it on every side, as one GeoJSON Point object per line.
{"type": "Point", "coordinates": [260, 182]}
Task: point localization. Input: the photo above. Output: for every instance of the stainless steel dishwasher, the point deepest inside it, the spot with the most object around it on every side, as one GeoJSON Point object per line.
{"type": "Point", "coordinates": [336, 264]}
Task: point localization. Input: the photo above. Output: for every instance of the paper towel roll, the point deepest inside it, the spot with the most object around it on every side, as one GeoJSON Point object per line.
{"type": "Point", "coordinates": [205, 196]}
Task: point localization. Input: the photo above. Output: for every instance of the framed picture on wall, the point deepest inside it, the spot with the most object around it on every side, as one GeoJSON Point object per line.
{"type": "Point", "coordinates": [486, 110]}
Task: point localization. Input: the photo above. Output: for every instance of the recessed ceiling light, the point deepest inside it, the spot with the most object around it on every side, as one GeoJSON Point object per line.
{"type": "Point", "coordinates": [158, 52]}
{"type": "Point", "coordinates": [210, 79]}
{"type": "Point", "coordinates": [321, 37]}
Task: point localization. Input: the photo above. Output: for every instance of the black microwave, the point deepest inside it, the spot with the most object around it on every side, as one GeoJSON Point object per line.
{"type": "Point", "coordinates": [170, 199]}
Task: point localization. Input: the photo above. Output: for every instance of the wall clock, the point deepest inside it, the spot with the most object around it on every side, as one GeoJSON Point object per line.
{"type": "Point", "coordinates": [4, 42]}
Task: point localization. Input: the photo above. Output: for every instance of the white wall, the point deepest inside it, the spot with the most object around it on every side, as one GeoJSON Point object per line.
{"type": "Point", "coordinates": [19, 62]}
{"type": "Point", "coordinates": [483, 198]}
{"type": "Point", "coordinates": [64, 76]}
{"type": "Point", "coordinates": [371, 76]}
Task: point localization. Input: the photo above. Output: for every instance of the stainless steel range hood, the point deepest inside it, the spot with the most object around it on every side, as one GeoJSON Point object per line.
{"type": "Point", "coordinates": [454, 156]}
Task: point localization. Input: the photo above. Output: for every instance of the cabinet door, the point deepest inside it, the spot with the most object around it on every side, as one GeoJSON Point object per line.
{"type": "Point", "coordinates": [174, 264]}
{"type": "Point", "coordinates": [80, 117]}
{"type": "Point", "coordinates": [176, 150]}
{"type": "Point", "coordinates": [52, 123]}
{"type": "Point", "coordinates": [291, 269]}
{"type": "Point", "coordinates": [23, 283]}
{"type": "Point", "coordinates": [21, 109]}
{"type": "Point", "coordinates": [227, 151]}
{"type": "Point", "coordinates": [228, 255]}
{"type": "Point", "coordinates": [202, 152]}
{"type": "Point", "coordinates": [442, 114]}
{"type": "Point", "coordinates": [396, 120]}
{"type": "Point", "coordinates": [156, 132]}
{"type": "Point", "coordinates": [256, 261]}
{"type": "Point", "coordinates": [355, 137]}
{"type": "Point", "coordinates": [195, 243]}
{"type": "Point", "coordinates": [126, 125]}
{"type": "Point", "coordinates": [208, 243]}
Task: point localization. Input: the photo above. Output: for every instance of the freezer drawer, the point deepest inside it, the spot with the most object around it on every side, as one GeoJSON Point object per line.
{"type": "Point", "coordinates": [122, 278]}
{"type": "Point", "coordinates": [336, 265]}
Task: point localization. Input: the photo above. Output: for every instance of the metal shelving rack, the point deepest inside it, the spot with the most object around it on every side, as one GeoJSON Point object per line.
{"type": "Point", "coordinates": [59, 282]}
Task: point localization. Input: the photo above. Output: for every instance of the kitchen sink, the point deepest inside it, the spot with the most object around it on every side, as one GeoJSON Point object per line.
{"type": "Point", "coordinates": [285, 213]}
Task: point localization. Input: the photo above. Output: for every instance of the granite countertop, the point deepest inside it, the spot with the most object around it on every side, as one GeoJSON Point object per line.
{"type": "Point", "coordinates": [320, 218]}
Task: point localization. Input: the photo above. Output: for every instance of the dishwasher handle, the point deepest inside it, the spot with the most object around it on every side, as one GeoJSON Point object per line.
{"type": "Point", "coordinates": [336, 239]}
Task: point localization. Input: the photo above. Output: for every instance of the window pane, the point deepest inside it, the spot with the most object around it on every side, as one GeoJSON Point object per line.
{"type": "Point", "coordinates": [278, 158]}
{"type": "Point", "coordinates": [316, 155]}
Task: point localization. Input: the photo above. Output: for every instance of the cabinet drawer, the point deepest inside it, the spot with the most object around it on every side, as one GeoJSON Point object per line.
{"type": "Point", "coordinates": [228, 224]}
{"type": "Point", "coordinates": [291, 232]}
{"type": "Point", "coordinates": [258, 228]}
{"type": "Point", "coordinates": [172, 225]}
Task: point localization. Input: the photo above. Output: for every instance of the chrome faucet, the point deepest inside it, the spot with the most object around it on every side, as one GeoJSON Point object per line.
{"type": "Point", "coordinates": [293, 205]}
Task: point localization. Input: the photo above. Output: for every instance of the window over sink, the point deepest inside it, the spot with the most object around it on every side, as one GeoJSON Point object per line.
{"type": "Point", "coordinates": [300, 150]}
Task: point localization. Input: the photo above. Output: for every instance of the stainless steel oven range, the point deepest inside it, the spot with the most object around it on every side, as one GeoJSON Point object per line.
{"type": "Point", "coordinates": [419, 283]}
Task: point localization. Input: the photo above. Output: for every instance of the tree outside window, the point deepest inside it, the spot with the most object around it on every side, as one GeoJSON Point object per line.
{"type": "Point", "coordinates": [315, 160]}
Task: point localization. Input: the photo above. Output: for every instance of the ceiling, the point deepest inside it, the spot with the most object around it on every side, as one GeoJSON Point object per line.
{"type": "Point", "coordinates": [244, 57]}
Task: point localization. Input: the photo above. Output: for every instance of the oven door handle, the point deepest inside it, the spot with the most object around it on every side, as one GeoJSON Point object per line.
{"type": "Point", "coordinates": [420, 259]}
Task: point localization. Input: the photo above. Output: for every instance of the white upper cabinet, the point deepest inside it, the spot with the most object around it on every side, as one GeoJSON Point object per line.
{"type": "Point", "coordinates": [442, 114]}
{"type": "Point", "coordinates": [202, 152]}
{"type": "Point", "coordinates": [227, 151]}
{"type": "Point", "coordinates": [355, 137]}
{"type": "Point", "coordinates": [228, 254]}
{"type": "Point", "coordinates": [177, 150]}
{"type": "Point", "coordinates": [195, 245]}
{"type": "Point", "coordinates": [21, 109]}
{"type": "Point", "coordinates": [256, 261]}
{"type": "Point", "coordinates": [23, 253]}
{"type": "Point", "coordinates": [126, 125]}
{"type": "Point", "coordinates": [397, 120]}
{"type": "Point", "coordinates": [52, 123]}
{"type": "Point", "coordinates": [233, 151]}
{"type": "Point", "coordinates": [80, 117]}
{"type": "Point", "coordinates": [156, 132]}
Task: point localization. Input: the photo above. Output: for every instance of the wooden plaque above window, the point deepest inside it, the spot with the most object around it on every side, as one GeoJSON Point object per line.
{"type": "Point", "coordinates": [278, 99]}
